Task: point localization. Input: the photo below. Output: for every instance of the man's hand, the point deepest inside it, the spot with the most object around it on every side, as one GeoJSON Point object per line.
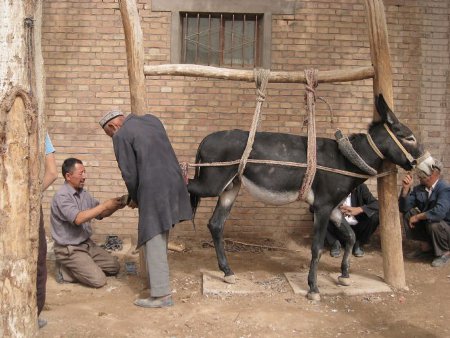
{"type": "Point", "coordinates": [350, 211]}
{"type": "Point", "coordinates": [407, 182]}
{"type": "Point", "coordinates": [416, 218]}
{"type": "Point", "coordinates": [412, 221]}
{"type": "Point", "coordinates": [114, 204]}
{"type": "Point", "coordinates": [132, 204]}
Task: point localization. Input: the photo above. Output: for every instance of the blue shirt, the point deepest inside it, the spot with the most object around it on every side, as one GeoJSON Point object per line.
{"type": "Point", "coordinates": [48, 145]}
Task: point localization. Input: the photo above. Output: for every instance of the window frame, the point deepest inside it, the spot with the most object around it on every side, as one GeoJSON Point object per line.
{"type": "Point", "coordinates": [265, 7]}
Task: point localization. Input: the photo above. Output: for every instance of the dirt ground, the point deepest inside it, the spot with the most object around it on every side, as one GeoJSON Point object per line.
{"type": "Point", "coordinates": [423, 310]}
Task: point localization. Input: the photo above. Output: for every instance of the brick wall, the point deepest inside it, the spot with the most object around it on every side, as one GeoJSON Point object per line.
{"type": "Point", "coordinates": [85, 62]}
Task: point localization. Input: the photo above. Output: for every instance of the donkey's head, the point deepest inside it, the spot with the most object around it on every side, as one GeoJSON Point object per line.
{"type": "Point", "coordinates": [393, 139]}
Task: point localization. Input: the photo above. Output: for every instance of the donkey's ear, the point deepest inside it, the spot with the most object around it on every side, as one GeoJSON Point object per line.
{"type": "Point", "coordinates": [385, 112]}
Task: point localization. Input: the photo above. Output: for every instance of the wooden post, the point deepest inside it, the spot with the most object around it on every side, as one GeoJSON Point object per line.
{"type": "Point", "coordinates": [135, 54]}
{"type": "Point", "coordinates": [390, 228]}
{"type": "Point", "coordinates": [135, 64]}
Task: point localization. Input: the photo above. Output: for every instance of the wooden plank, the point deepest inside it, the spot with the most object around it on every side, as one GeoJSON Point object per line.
{"type": "Point", "coordinates": [229, 6]}
{"type": "Point", "coordinates": [342, 75]}
{"type": "Point", "coordinates": [135, 54]}
{"type": "Point", "coordinates": [390, 229]}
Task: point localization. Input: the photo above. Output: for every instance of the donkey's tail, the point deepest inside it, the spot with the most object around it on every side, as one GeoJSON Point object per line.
{"type": "Point", "coordinates": [195, 199]}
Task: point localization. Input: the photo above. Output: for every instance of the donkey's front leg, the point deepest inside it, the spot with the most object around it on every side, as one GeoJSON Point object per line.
{"type": "Point", "coordinates": [349, 236]}
{"type": "Point", "coordinates": [321, 218]}
{"type": "Point", "coordinates": [216, 225]}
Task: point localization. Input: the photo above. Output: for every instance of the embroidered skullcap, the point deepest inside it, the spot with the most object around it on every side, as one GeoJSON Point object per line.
{"type": "Point", "coordinates": [109, 116]}
{"type": "Point", "coordinates": [437, 165]}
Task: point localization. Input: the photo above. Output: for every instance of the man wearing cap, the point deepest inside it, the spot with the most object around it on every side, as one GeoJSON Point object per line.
{"type": "Point", "coordinates": [155, 185]}
{"type": "Point", "coordinates": [426, 213]}
{"type": "Point", "coordinates": [78, 257]}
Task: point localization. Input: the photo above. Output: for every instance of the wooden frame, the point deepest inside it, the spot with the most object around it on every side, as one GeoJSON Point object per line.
{"type": "Point", "coordinates": [381, 73]}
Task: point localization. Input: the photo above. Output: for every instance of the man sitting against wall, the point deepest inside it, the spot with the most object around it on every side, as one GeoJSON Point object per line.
{"type": "Point", "coordinates": [426, 213]}
{"type": "Point", "coordinates": [78, 258]}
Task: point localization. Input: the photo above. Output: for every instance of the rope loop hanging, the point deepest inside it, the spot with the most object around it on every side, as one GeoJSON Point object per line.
{"type": "Point", "coordinates": [311, 160]}
{"type": "Point", "coordinates": [261, 81]}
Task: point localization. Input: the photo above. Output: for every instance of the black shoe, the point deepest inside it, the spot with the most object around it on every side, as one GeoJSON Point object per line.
{"type": "Point", "coordinates": [358, 251]}
{"type": "Point", "coordinates": [335, 249]}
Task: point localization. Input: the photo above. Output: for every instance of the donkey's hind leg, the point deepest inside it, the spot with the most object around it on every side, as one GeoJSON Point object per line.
{"type": "Point", "coordinates": [216, 225]}
{"type": "Point", "coordinates": [349, 236]}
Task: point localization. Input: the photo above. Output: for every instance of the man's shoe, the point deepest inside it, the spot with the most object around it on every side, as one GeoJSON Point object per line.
{"type": "Point", "coordinates": [58, 274]}
{"type": "Point", "coordinates": [358, 251]}
{"type": "Point", "coordinates": [418, 254]}
{"type": "Point", "coordinates": [154, 302]}
{"type": "Point", "coordinates": [335, 249]}
{"type": "Point", "coordinates": [440, 261]}
{"type": "Point", "coordinates": [41, 323]}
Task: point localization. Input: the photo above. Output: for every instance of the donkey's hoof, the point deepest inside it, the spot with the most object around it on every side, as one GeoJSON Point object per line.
{"type": "Point", "coordinates": [344, 281]}
{"type": "Point", "coordinates": [313, 296]}
{"type": "Point", "coordinates": [231, 279]}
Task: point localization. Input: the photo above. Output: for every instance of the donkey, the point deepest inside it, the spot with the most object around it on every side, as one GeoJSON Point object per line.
{"type": "Point", "coordinates": [278, 185]}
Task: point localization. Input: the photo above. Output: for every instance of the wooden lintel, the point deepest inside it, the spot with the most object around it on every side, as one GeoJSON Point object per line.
{"type": "Point", "coordinates": [328, 76]}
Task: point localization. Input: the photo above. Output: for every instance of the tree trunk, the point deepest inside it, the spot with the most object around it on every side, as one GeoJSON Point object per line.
{"type": "Point", "coordinates": [21, 150]}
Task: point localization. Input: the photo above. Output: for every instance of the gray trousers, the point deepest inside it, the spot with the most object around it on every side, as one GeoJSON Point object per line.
{"type": "Point", "coordinates": [86, 263]}
{"type": "Point", "coordinates": [437, 234]}
{"type": "Point", "coordinates": [158, 265]}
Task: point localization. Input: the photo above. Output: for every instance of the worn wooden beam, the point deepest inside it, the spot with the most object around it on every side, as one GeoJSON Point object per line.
{"type": "Point", "coordinates": [342, 75]}
{"type": "Point", "coordinates": [390, 228]}
{"type": "Point", "coordinates": [135, 54]}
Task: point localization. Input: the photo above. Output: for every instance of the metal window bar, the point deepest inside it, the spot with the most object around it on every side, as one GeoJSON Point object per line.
{"type": "Point", "coordinates": [243, 49]}
{"type": "Point", "coordinates": [198, 39]}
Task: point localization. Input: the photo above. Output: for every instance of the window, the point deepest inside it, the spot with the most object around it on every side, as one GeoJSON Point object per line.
{"type": "Point", "coordinates": [229, 40]}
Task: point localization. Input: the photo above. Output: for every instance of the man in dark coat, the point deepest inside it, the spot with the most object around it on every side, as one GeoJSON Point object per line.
{"type": "Point", "coordinates": [361, 212]}
{"type": "Point", "coordinates": [155, 185]}
{"type": "Point", "coordinates": [426, 214]}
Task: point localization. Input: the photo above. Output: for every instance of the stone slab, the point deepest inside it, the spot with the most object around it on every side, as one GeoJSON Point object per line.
{"type": "Point", "coordinates": [328, 284]}
{"type": "Point", "coordinates": [213, 284]}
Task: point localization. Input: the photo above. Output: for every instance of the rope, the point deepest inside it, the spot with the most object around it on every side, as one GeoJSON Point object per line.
{"type": "Point", "coordinates": [261, 80]}
{"type": "Point", "coordinates": [29, 40]}
{"type": "Point", "coordinates": [311, 84]}
{"type": "Point", "coordinates": [402, 148]}
{"type": "Point", "coordinates": [329, 110]}
{"type": "Point", "coordinates": [290, 164]}
{"type": "Point", "coordinates": [374, 146]}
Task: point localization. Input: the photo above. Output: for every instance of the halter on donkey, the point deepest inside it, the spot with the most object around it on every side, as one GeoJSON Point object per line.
{"type": "Point", "coordinates": [277, 164]}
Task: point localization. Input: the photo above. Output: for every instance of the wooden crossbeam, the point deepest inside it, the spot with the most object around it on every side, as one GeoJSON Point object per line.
{"type": "Point", "coordinates": [328, 76]}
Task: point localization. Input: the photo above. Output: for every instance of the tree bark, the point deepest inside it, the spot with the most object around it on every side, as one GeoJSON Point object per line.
{"type": "Point", "coordinates": [135, 65]}
{"type": "Point", "coordinates": [135, 54]}
{"type": "Point", "coordinates": [21, 151]}
{"type": "Point", "coordinates": [390, 229]}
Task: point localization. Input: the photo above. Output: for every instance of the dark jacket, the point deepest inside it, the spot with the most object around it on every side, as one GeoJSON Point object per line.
{"type": "Point", "coordinates": [362, 197]}
{"type": "Point", "coordinates": [437, 207]}
{"type": "Point", "coordinates": [152, 175]}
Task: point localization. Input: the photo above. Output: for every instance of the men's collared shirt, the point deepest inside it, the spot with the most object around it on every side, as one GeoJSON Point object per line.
{"type": "Point", "coordinates": [430, 190]}
{"type": "Point", "coordinates": [66, 205]}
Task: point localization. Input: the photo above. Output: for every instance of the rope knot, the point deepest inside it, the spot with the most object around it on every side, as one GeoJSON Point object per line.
{"type": "Point", "coordinates": [260, 95]}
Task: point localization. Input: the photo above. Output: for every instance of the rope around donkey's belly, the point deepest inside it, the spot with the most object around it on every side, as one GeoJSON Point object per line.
{"type": "Point", "coordinates": [286, 164]}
